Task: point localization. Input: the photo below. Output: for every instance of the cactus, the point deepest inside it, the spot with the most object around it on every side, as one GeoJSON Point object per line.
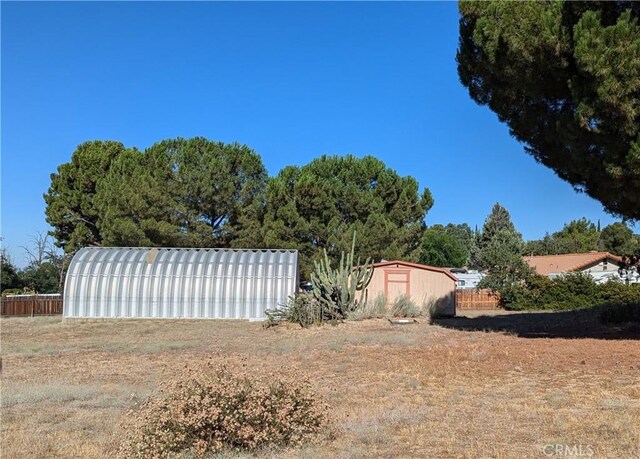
{"type": "Point", "coordinates": [337, 289]}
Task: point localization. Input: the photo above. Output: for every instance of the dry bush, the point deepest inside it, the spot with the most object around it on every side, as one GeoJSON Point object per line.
{"type": "Point", "coordinates": [373, 309]}
{"type": "Point", "coordinates": [223, 406]}
{"type": "Point", "coordinates": [404, 306]}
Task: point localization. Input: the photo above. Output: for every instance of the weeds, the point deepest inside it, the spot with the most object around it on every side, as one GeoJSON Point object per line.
{"type": "Point", "coordinates": [35, 394]}
{"type": "Point", "coordinates": [374, 309]}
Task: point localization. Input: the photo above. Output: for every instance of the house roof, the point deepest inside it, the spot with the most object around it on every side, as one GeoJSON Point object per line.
{"type": "Point", "coordinates": [415, 265]}
{"type": "Point", "coordinates": [546, 264]}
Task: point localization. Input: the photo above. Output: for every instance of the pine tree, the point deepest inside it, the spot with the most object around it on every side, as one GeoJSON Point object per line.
{"type": "Point", "coordinates": [319, 206]}
{"type": "Point", "coordinates": [500, 251]}
{"type": "Point", "coordinates": [565, 77]}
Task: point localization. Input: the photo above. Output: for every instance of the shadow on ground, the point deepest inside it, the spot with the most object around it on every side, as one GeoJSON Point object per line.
{"type": "Point", "coordinates": [543, 324]}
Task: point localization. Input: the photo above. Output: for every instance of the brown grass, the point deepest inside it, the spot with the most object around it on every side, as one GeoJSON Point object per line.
{"type": "Point", "coordinates": [397, 391]}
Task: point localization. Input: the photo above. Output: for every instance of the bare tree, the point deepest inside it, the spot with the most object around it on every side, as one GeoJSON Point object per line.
{"type": "Point", "coordinates": [41, 250]}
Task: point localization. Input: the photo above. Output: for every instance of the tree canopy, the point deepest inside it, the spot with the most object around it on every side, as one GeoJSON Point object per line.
{"type": "Point", "coordinates": [179, 192]}
{"type": "Point", "coordinates": [577, 236]}
{"type": "Point", "coordinates": [618, 238]}
{"type": "Point", "coordinates": [565, 77]}
{"type": "Point", "coordinates": [200, 193]}
{"type": "Point", "coordinates": [500, 248]}
{"type": "Point", "coordinates": [71, 209]}
{"type": "Point", "coordinates": [582, 235]}
{"type": "Point", "coordinates": [8, 273]}
{"type": "Point", "coordinates": [43, 273]}
{"type": "Point", "coordinates": [321, 204]}
{"type": "Point", "coordinates": [446, 246]}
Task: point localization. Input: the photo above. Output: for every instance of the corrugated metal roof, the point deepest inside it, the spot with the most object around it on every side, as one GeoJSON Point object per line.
{"type": "Point", "coordinates": [178, 283]}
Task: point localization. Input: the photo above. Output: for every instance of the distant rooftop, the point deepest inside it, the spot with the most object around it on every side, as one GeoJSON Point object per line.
{"type": "Point", "coordinates": [568, 262]}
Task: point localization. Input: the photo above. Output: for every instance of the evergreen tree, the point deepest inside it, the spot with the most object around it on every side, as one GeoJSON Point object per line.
{"type": "Point", "coordinates": [9, 275]}
{"type": "Point", "coordinates": [565, 77]}
{"type": "Point", "coordinates": [180, 192]}
{"type": "Point", "coordinates": [500, 251]}
{"type": "Point", "coordinates": [71, 209]}
{"type": "Point", "coordinates": [498, 220]}
{"type": "Point", "coordinates": [139, 202]}
{"type": "Point", "coordinates": [577, 236]}
{"type": "Point", "coordinates": [319, 206]}
{"type": "Point", "coordinates": [545, 246]}
{"type": "Point", "coordinates": [618, 239]}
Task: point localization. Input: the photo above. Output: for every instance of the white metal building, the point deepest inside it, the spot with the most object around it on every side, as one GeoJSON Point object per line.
{"type": "Point", "coordinates": [119, 282]}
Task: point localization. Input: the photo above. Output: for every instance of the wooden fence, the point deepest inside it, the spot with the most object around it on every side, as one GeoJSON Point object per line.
{"type": "Point", "coordinates": [31, 305]}
{"type": "Point", "coordinates": [477, 299]}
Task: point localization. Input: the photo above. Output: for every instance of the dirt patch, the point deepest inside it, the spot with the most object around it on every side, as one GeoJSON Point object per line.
{"type": "Point", "coordinates": [398, 391]}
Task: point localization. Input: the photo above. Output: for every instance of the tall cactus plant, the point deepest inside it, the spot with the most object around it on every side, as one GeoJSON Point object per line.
{"type": "Point", "coordinates": [343, 289]}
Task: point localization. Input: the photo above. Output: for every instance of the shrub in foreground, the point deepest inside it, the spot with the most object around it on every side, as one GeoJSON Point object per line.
{"type": "Point", "coordinates": [217, 406]}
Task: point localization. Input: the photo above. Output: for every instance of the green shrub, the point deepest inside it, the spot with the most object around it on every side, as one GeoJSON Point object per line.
{"type": "Point", "coordinates": [571, 291]}
{"type": "Point", "coordinates": [218, 406]}
{"type": "Point", "coordinates": [303, 309]}
{"type": "Point", "coordinates": [617, 292]}
{"type": "Point", "coordinates": [620, 302]}
{"type": "Point", "coordinates": [19, 291]}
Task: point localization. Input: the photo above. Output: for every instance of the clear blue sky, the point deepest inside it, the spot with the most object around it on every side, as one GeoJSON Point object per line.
{"type": "Point", "coordinates": [291, 80]}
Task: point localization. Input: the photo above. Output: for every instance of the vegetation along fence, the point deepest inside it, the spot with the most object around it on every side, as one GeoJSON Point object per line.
{"type": "Point", "coordinates": [31, 305]}
{"type": "Point", "coordinates": [477, 299]}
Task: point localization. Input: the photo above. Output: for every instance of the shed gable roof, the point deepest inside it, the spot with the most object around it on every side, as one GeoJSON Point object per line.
{"type": "Point", "coordinates": [568, 262]}
{"type": "Point", "coordinates": [416, 265]}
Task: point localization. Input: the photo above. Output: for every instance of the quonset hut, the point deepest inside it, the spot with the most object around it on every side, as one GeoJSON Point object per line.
{"type": "Point", "coordinates": [115, 282]}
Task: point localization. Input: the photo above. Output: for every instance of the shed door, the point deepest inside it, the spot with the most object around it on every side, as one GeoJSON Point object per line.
{"type": "Point", "coordinates": [396, 282]}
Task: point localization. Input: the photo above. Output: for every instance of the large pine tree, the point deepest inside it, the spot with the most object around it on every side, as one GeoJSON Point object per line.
{"type": "Point", "coordinates": [319, 206]}
{"type": "Point", "coordinates": [565, 77]}
{"type": "Point", "coordinates": [179, 192]}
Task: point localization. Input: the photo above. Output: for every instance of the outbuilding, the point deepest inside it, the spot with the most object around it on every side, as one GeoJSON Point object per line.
{"type": "Point", "coordinates": [422, 283]}
{"type": "Point", "coordinates": [116, 282]}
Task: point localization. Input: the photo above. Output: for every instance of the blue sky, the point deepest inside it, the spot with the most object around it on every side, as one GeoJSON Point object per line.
{"type": "Point", "coordinates": [291, 80]}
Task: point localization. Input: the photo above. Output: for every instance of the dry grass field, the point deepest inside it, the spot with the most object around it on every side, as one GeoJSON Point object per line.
{"type": "Point", "coordinates": [465, 388]}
